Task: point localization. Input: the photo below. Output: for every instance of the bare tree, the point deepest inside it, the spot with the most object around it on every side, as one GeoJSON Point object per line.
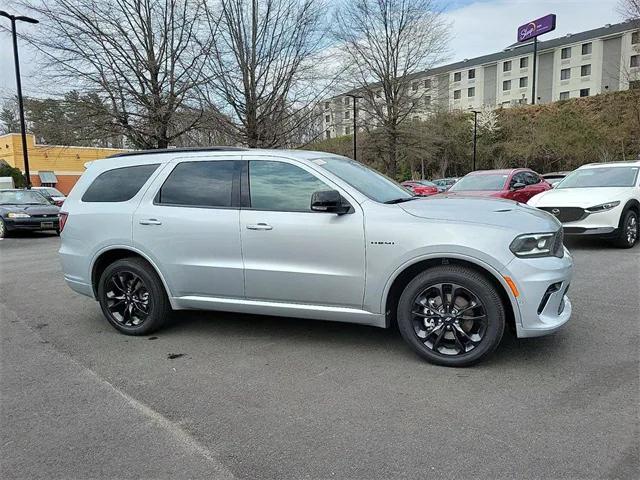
{"type": "Point", "coordinates": [145, 58]}
{"type": "Point", "coordinates": [385, 43]}
{"type": "Point", "coordinates": [629, 9]}
{"type": "Point", "coordinates": [266, 67]}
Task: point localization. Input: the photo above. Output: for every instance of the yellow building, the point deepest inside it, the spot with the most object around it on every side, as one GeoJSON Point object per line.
{"type": "Point", "coordinates": [51, 165]}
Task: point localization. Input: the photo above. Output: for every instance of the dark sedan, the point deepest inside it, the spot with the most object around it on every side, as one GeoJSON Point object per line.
{"type": "Point", "coordinates": [26, 210]}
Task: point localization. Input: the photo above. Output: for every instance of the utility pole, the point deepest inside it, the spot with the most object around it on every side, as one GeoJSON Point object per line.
{"type": "Point", "coordinates": [475, 136]}
{"type": "Point", "coordinates": [355, 124]}
{"type": "Point", "coordinates": [25, 154]}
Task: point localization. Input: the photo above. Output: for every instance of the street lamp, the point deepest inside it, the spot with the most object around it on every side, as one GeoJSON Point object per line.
{"type": "Point", "coordinates": [355, 125]}
{"type": "Point", "coordinates": [475, 136]}
{"type": "Point", "coordinates": [14, 19]}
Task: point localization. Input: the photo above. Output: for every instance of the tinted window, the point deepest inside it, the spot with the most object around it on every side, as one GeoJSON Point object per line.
{"type": "Point", "coordinates": [601, 177]}
{"type": "Point", "coordinates": [199, 184]}
{"type": "Point", "coordinates": [479, 182]}
{"type": "Point", "coordinates": [282, 187]}
{"type": "Point", "coordinates": [531, 178]}
{"type": "Point", "coordinates": [518, 178]}
{"type": "Point", "coordinates": [119, 184]}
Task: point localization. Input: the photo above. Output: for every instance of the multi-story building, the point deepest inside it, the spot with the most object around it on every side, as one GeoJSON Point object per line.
{"type": "Point", "coordinates": [606, 59]}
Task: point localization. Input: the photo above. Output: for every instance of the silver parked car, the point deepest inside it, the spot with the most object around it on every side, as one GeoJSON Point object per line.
{"type": "Point", "coordinates": [311, 235]}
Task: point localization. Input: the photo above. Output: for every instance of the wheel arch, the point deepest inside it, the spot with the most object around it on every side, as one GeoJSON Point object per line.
{"type": "Point", "coordinates": [408, 272]}
{"type": "Point", "coordinates": [107, 256]}
{"type": "Point", "coordinates": [632, 204]}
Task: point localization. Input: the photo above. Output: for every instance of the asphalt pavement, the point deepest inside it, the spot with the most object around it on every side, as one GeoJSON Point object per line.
{"type": "Point", "coordinates": [217, 395]}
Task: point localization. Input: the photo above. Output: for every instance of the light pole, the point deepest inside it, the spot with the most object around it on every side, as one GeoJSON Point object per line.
{"type": "Point", "coordinates": [14, 19]}
{"type": "Point", "coordinates": [355, 124]}
{"type": "Point", "coordinates": [475, 136]}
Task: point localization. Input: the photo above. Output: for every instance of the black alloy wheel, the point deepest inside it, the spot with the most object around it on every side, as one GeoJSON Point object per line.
{"type": "Point", "coordinates": [132, 297]}
{"type": "Point", "coordinates": [451, 315]}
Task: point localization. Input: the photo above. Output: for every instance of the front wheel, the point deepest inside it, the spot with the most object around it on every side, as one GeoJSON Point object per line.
{"type": "Point", "coordinates": [628, 231]}
{"type": "Point", "coordinates": [3, 229]}
{"type": "Point", "coordinates": [132, 297]}
{"type": "Point", "coordinates": [451, 315]}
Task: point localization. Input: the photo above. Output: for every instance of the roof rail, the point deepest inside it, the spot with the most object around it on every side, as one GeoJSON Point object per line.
{"type": "Point", "coordinates": [177, 150]}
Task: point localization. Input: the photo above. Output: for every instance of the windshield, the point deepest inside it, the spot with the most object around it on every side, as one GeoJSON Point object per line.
{"type": "Point", "coordinates": [480, 182]}
{"type": "Point", "coordinates": [22, 197]}
{"type": "Point", "coordinates": [54, 192]}
{"type": "Point", "coordinates": [601, 177]}
{"type": "Point", "coordinates": [364, 179]}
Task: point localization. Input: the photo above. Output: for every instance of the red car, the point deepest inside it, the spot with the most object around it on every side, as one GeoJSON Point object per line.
{"type": "Point", "coordinates": [519, 184]}
{"type": "Point", "coordinates": [422, 188]}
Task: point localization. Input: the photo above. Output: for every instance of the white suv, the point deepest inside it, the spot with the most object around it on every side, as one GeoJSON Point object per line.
{"type": "Point", "coordinates": [600, 199]}
{"type": "Point", "coordinates": [312, 235]}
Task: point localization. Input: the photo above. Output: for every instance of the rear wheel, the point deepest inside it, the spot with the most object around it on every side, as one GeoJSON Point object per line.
{"type": "Point", "coordinates": [628, 230]}
{"type": "Point", "coordinates": [132, 297]}
{"type": "Point", "coordinates": [451, 315]}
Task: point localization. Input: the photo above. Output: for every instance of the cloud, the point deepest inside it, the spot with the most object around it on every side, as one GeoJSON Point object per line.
{"type": "Point", "coordinates": [483, 27]}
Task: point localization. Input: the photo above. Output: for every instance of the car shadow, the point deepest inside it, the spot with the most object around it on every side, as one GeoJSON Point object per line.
{"type": "Point", "coordinates": [387, 341]}
{"type": "Point", "coordinates": [30, 234]}
{"type": "Point", "coordinates": [586, 243]}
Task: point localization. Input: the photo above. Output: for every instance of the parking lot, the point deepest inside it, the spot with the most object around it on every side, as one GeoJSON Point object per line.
{"type": "Point", "coordinates": [218, 395]}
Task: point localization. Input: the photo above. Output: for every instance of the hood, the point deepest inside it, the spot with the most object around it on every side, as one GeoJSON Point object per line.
{"type": "Point", "coordinates": [32, 209]}
{"type": "Point", "coordinates": [578, 197]}
{"type": "Point", "coordinates": [487, 211]}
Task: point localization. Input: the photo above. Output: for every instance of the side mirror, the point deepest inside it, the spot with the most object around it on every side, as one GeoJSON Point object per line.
{"type": "Point", "coordinates": [517, 186]}
{"type": "Point", "coordinates": [329, 201]}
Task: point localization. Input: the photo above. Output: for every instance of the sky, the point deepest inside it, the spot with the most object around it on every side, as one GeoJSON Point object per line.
{"type": "Point", "coordinates": [478, 27]}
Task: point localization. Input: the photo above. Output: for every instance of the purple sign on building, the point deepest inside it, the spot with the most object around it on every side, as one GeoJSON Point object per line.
{"type": "Point", "coordinates": [536, 27]}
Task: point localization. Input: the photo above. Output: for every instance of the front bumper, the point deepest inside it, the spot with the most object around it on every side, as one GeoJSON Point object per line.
{"type": "Point", "coordinates": [32, 223]}
{"type": "Point", "coordinates": [543, 284]}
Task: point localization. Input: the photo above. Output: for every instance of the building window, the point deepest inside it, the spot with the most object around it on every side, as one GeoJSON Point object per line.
{"type": "Point", "coordinates": [414, 86]}
{"type": "Point", "coordinates": [327, 134]}
{"type": "Point", "coordinates": [427, 83]}
{"type": "Point", "coordinates": [327, 118]}
{"type": "Point", "coordinates": [457, 76]}
{"type": "Point", "coordinates": [635, 61]}
{"type": "Point", "coordinates": [506, 85]}
{"type": "Point", "coordinates": [586, 48]}
{"type": "Point", "coordinates": [564, 95]}
{"type": "Point", "coordinates": [471, 92]}
{"type": "Point", "coordinates": [456, 94]}
{"type": "Point", "coordinates": [523, 82]}
{"type": "Point", "coordinates": [635, 38]}
{"type": "Point", "coordinates": [565, 53]}
{"type": "Point", "coordinates": [506, 66]}
{"type": "Point", "coordinates": [472, 74]}
{"type": "Point", "coordinates": [584, 92]}
{"type": "Point", "coordinates": [326, 105]}
{"type": "Point", "coordinates": [524, 62]}
{"type": "Point", "coordinates": [427, 100]}
{"type": "Point", "coordinates": [346, 115]}
{"type": "Point", "coordinates": [347, 130]}
{"type": "Point", "coordinates": [565, 74]}
{"type": "Point", "coordinates": [347, 100]}
{"type": "Point", "coordinates": [585, 70]}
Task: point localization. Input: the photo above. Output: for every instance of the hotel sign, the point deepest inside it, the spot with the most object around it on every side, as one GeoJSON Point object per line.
{"type": "Point", "coordinates": [537, 27]}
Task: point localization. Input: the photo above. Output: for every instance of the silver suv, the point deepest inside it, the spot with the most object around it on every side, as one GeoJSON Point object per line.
{"type": "Point", "coordinates": [311, 235]}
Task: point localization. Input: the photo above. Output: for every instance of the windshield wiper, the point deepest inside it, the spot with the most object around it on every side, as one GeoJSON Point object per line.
{"type": "Point", "coordinates": [401, 200]}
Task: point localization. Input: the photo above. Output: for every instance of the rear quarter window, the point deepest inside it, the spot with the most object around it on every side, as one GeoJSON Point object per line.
{"type": "Point", "coordinates": [119, 184]}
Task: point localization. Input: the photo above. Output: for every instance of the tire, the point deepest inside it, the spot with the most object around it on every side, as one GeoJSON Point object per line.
{"type": "Point", "coordinates": [627, 237]}
{"type": "Point", "coordinates": [3, 229]}
{"type": "Point", "coordinates": [458, 318]}
{"type": "Point", "coordinates": [132, 297]}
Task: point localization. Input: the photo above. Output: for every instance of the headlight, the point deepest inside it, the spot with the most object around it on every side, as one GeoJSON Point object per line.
{"type": "Point", "coordinates": [532, 245]}
{"type": "Point", "coordinates": [18, 215]}
{"type": "Point", "coordinates": [603, 207]}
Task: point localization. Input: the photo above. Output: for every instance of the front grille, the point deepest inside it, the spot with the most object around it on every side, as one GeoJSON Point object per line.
{"type": "Point", "coordinates": [566, 214]}
{"type": "Point", "coordinates": [46, 215]}
{"type": "Point", "coordinates": [558, 244]}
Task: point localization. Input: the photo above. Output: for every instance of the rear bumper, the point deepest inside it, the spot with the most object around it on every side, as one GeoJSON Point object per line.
{"type": "Point", "coordinates": [50, 223]}
{"type": "Point", "coordinates": [543, 303]}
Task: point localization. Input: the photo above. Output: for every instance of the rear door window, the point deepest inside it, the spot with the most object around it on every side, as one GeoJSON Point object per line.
{"type": "Point", "coordinates": [119, 184]}
{"type": "Point", "coordinates": [199, 184]}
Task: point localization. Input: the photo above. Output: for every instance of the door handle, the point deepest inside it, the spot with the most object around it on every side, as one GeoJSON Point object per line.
{"type": "Point", "coordinates": [150, 221]}
{"type": "Point", "coordinates": [259, 226]}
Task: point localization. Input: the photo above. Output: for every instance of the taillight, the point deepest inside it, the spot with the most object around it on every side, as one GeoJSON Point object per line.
{"type": "Point", "coordinates": [62, 217]}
